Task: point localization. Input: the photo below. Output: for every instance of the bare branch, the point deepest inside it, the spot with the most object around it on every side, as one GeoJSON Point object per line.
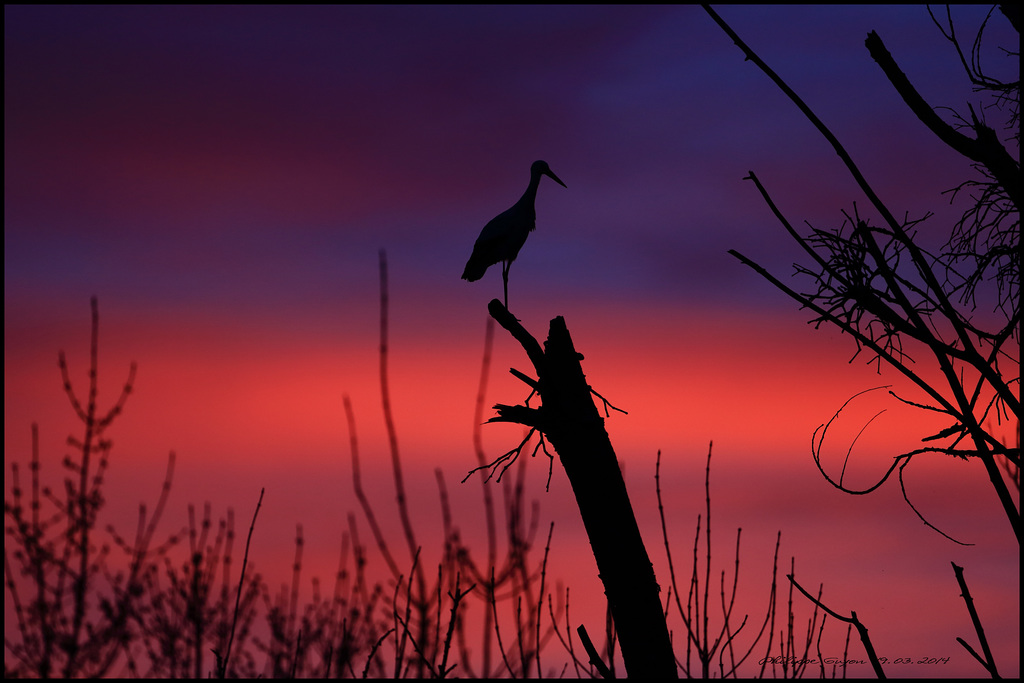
{"type": "Point", "coordinates": [878, 284]}
{"type": "Point", "coordinates": [984, 149]}
{"type": "Point", "coordinates": [595, 658]}
{"type": "Point", "coordinates": [852, 619]}
{"type": "Point", "coordinates": [989, 661]}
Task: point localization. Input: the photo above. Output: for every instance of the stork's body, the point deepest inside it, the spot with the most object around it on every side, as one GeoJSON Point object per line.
{"type": "Point", "coordinates": [503, 237]}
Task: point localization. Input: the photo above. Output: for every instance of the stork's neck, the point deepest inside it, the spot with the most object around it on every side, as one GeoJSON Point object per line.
{"type": "Point", "coordinates": [530, 196]}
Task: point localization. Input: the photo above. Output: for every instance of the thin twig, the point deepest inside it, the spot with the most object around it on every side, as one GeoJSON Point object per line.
{"type": "Point", "coordinates": [241, 582]}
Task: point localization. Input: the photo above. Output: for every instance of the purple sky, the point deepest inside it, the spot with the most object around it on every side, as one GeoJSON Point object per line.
{"type": "Point", "coordinates": [190, 154]}
{"type": "Point", "coordinates": [222, 178]}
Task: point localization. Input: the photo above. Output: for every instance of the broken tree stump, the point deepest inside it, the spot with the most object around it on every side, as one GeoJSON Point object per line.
{"type": "Point", "coordinates": [568, 418]}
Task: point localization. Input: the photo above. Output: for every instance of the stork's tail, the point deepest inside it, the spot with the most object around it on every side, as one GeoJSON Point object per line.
{"type": "Point", "coordinates": [474, 270]}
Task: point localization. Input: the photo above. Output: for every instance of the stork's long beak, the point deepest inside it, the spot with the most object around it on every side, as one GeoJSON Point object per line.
{"type": "Point", "coordinates": [552, 175]}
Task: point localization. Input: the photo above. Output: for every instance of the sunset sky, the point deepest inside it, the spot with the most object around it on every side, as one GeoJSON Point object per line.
{"type": "Point", "coordinates": [223, 179]}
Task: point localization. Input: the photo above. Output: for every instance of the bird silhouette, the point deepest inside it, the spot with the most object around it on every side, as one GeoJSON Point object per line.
{"type": "Point", "coordinates": [503, 237]}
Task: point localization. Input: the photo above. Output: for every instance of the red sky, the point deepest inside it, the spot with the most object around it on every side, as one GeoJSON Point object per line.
{"type": "Point", "coordinates": [222, 179]}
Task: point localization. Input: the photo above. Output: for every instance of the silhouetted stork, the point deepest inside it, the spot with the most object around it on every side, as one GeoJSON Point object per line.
{"type": "Point", "coordinates": [503, 237]}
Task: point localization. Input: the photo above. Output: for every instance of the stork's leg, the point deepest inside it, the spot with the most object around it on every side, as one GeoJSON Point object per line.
{"type": "Point", "coordinates": [505, 265]}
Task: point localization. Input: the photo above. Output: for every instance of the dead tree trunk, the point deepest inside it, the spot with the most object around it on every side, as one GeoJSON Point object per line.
{"type": "Point", "coordinates": [569, 419]}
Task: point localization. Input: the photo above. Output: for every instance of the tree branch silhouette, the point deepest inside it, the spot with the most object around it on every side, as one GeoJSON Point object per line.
{"type": "Point", "coordinates": [862, 630]}
{"type": "Point", "coordinates": [878, 284]}
{"type": "Point", "coordinates": [568, 418]}
{"type": "Point", "coordinates": [988, 661]}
